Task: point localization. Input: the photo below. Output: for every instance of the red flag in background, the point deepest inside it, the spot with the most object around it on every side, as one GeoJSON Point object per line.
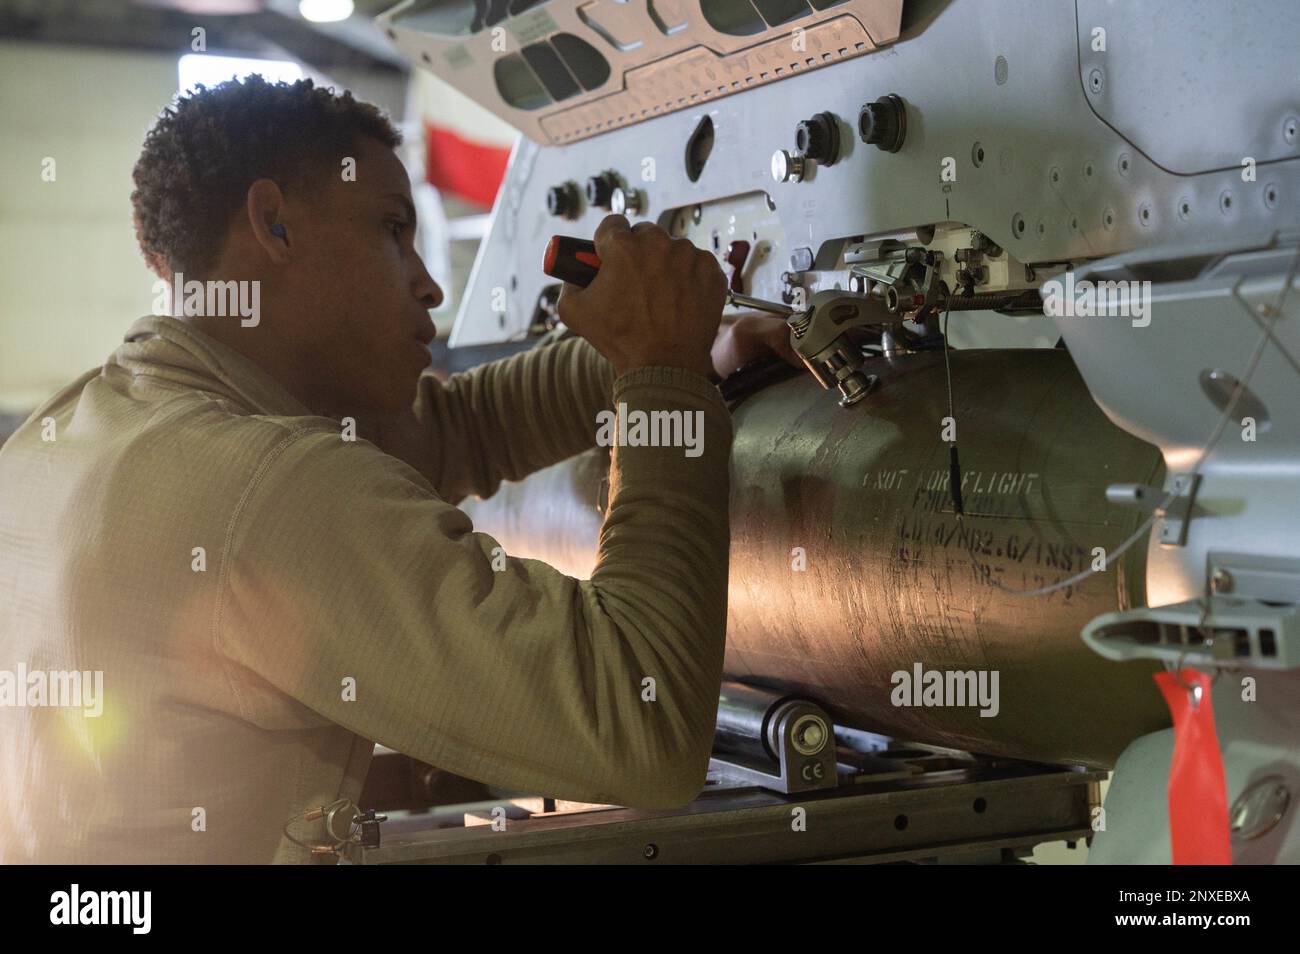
{"type": "Point", "coordinates": [466, 147]}
{"type": "Point", "coordinates": [472, 170]}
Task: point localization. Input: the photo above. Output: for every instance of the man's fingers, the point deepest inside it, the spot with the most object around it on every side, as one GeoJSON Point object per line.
{"type": "Point", "coordinates": [772, 331]}
{"type": "Point", "coordinates": [779, 341]}
{"type": "Point", "coordinates": [570, 296]}
{"type": "Point", "coordinates": [609, 227]}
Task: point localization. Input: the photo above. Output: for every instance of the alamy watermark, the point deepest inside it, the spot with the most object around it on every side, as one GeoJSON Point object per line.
{"type": "Point", "coordinates": [1087, 299]}
{"type": "Point", "coordinates": [133, 908]}
{"type": "Point", "coordinates": [196, 299]}
{"type": "Point", "coordinates": [55, 688]}
{"type": "Point", "coordinates": [637, 428]}
{"type": "Point", "coordinates": [947, 688]}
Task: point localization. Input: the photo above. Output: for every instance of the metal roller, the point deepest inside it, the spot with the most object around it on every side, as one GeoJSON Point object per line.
{"type": "Point", "coordinates": [848, 564]}
{"type": "Point", "coordinates": [773, 740]}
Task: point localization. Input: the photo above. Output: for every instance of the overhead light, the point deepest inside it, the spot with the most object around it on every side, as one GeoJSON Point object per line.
{"type": "Point", "coordinates": [325, 11]}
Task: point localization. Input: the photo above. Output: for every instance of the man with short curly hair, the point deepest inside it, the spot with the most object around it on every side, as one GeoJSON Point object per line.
{"type": "Point", "coordinates": [221, 169]}
{"type": "Point", "coordinates": [200, 156]}
{"type": "Point", "coordinates": [240, 533]}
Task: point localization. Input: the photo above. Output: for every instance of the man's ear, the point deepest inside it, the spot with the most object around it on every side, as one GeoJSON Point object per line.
{"type": "Point", "coordinates": [265, 206]}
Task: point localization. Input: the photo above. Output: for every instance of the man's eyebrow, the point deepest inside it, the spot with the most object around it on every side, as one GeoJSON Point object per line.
{"type": "Point", "coordinates": [410, 206]}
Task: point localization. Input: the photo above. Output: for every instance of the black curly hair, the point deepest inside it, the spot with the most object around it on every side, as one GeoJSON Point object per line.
{"type": "Point", "coordinates": [204, 152]}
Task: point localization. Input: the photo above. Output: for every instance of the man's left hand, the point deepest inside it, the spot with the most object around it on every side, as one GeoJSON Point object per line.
{"type": "Point", "coordinates": [751, 335]}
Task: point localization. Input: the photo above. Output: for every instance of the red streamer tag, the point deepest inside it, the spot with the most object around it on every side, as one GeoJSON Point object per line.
{"type": "Point", "coordinates": [1198, 794]}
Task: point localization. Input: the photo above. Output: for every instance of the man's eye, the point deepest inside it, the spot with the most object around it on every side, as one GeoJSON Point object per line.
{"type": "Point", "coordinates": [397, 227]}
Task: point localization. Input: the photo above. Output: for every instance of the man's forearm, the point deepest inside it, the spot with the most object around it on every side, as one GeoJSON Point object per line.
{"type": "Point", "coordinates": [502, 420]}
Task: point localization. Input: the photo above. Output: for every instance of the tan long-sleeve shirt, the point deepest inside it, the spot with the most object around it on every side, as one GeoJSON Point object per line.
{"type": "Point", "coordinates": [265, 600]}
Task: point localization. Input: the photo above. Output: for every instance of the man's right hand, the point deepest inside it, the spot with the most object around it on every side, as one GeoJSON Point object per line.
{"type": "Point", "coordinates": [656, 301]}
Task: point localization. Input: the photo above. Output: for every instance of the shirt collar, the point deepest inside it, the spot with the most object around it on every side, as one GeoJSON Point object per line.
{"type": "Point", "coordinates": [178, 351]}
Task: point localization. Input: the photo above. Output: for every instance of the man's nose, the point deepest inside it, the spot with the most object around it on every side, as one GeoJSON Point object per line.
{"type": "Point", "coordinates": [426, 289]}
